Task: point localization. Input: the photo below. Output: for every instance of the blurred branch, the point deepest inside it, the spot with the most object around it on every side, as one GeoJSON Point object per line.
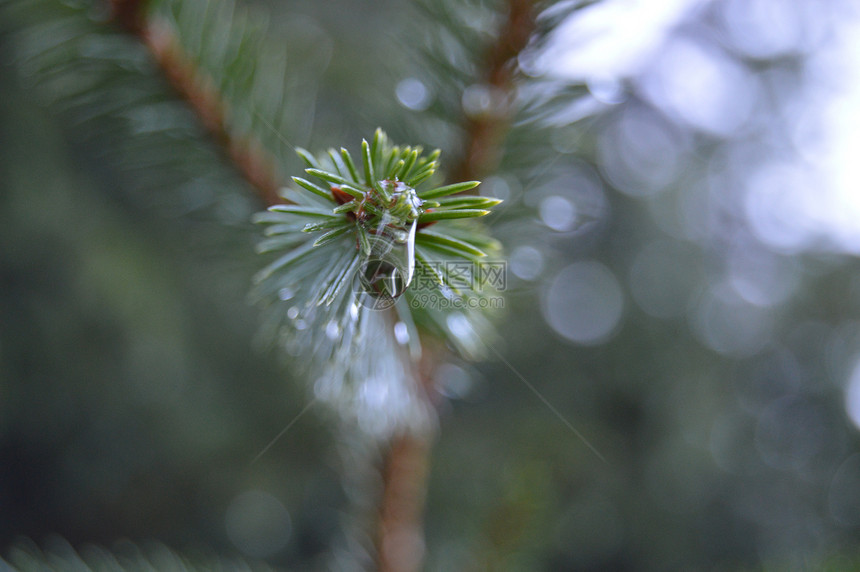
{"type": "Point", "coordinates": [247, 154]}
{"type": "Point", "coordinates": [400, 535]}
{"type": "Point", "coordinates": [485, 132]}
{"type": "Point", "coordinates": [400, 538]}
{"type": "Point", "coordinates": [129, 14]}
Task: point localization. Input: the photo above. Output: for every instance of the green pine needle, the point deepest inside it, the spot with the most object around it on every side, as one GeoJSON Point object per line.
{"type": "Point", "coordinates": [428, 236]}
{"type": "Point", "coordinates": [449, 190]}
{"type": "Point", "coordinates": [309, 159]}
{"type": "Point", "coordinates": [333, 235]}
{"type": "Point", "coordinates": [451, 214]}
{"type": "Point", "coordinates": [473, 202]}
{"type": "Point", "coordinates": [315, 189]}
{"type": "Point", "coordinates": [349, 164]}
{"type": "Point", "coordinates": [368, 163]}
{"type": "Point", "coordinates": [375, 218]}
{"type": "Point", "coordinates": [303, 211]}
{"type": "Point", "coordinates": [327, 176]}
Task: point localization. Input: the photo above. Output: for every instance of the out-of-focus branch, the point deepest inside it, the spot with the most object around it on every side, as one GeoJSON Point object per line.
{"type": "Point", "coordinates": [400, 537]}
{"type": "Point", "coordinates": [405, 465]}
{"type": "Point", "coordinates": [247, 154]}
{"type": "Point", "coordinates": [486, 131]}
{"type": "Point", "coordinates": [400, 545]}
{"type": "Point", "coordinates": [128, 13]}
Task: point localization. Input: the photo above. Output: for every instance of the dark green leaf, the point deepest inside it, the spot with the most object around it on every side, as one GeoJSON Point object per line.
{"type": "Point", "coordinates": [395, 169]}
{"type": "Point", "coordinates": [337, 162]}
{"type": "Point", "coordinates": [345, 207]}
{"type": "Point", "coordinates": [376, 147]}
{"type": "Point", "coordinates": [350, 190]}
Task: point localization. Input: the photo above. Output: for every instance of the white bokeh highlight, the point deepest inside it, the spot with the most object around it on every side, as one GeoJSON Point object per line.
{"type": "Point", "coordinates": [584, 303]}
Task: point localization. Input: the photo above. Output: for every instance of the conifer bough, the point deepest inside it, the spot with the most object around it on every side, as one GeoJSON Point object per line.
{"type": "Point", "coordinates": [369, 222]}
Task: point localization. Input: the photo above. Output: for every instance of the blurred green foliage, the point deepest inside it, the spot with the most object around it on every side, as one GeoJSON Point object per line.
{"type": "Point", "coordinates": [707, 364]}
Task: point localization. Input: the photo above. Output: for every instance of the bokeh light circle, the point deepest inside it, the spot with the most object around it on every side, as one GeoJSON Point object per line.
{"type": "Point", "coordinates": [584, 303]}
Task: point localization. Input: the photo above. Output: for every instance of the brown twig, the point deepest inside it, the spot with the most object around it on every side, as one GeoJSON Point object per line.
{"type": "Point", "coordinates": [249, 156]}
{"type": "Point", "coordinates": [128, 14]}
{"type": "Point", "coordinates": [399, 540]}
{"type": "Point", "coordinates": [485, 132]}
{"type": "Point", "coordinates": [405, 465]}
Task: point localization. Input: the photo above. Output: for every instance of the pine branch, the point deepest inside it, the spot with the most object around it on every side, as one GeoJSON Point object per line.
{"type": "Point", "coordinates": [399, 546]}
{"type": "Point", "coordinates": [128, 14]}
{"type": "Point", "coordinates": [400, 536]}
{"type": "Point", "coordinates": [198, 89]}
{"type": "Point", "coordinates": [405, 465]}
{"type": "Point", "coordinates": [399, 542]}
{"type": "Point", "coordinates": [485, 133]}
{"type": "Point", "coordinates": [247, 154]}
{"type": "Point", "coordinates": [226, 106]}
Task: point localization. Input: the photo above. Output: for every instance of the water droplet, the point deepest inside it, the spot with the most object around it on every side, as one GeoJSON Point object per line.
{"type": "Point", "coordinates": [300, 324]}
{"type": "Point", "coordinates": [293, 313]}
{"type": "Point", "coordinates": [286, 293]}
{"type": "Point", "coordinates": [353, 310]}
{"type": "Point", "coordinates": [382, 279]}
{"type": "Point", "coordinates": [388, 270]}
{"type": "Point", "coordinates": [401, 333]}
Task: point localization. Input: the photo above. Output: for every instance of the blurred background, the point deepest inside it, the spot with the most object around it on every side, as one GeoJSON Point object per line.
{"type": "Point", "coordinates": [682, 225]}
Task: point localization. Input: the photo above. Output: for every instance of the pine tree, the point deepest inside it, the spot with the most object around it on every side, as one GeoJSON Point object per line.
{"type": "Point", "coordinates": [184, 173]}
{"type": "Point", "coordinates": [352, 238]}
